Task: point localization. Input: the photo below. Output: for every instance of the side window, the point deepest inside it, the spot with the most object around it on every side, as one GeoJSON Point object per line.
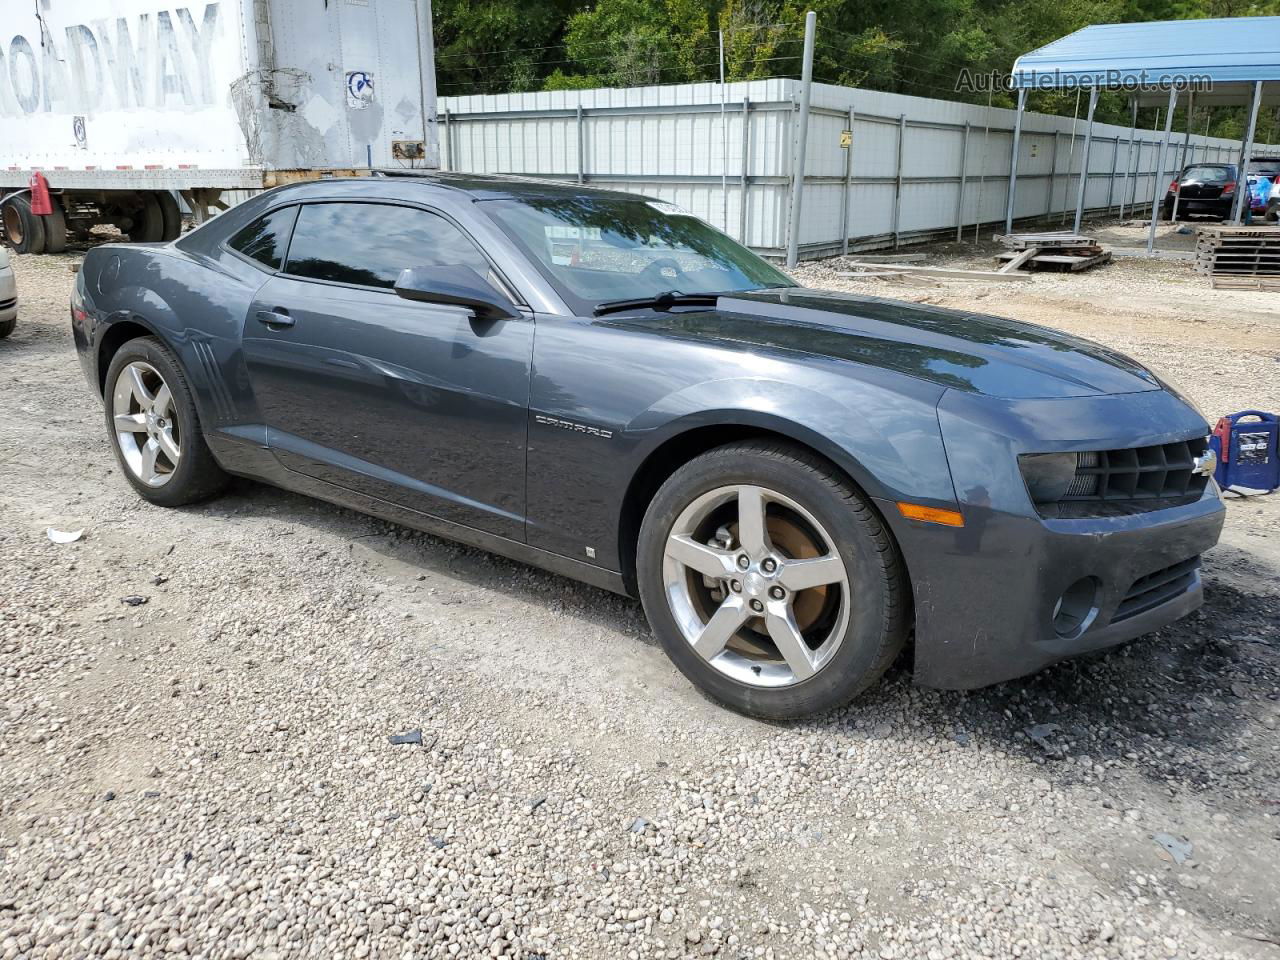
{"type": "Point", "coordinates": [267, 238]}
{"type": "Point", "coordinates": [370, 243]}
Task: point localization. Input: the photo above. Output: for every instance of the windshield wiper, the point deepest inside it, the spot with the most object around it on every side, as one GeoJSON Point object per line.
{"type": "Point", "coordinates": [663, 301]}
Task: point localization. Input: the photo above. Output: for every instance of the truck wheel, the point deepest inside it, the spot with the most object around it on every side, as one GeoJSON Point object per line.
{"type": "Point", "coordinates": [154, 428]}
{"type": "Point", "coordinates": [7, 327]}
{"type": "Point", "coordinates": [170, 214]}
{"type": "Point", "coordinates": [55, 228]}
{"type": "Point", "coordinates": [770, 581]}
{"type": "Point", "coordinates": [148, 220]}
{"type": "Point", "coordinates": [24, 230]}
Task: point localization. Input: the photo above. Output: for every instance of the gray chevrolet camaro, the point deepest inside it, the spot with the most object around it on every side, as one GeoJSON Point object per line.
{"type": "Point", "coordinates": [793, 481]}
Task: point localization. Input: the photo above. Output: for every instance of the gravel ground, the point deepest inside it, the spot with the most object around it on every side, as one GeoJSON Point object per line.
{"type": "Point", "coordinates": [210, 772]}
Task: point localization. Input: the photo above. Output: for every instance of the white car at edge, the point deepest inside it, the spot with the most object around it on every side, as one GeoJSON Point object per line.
{"type": "Point", "coordinates": [8, 296]}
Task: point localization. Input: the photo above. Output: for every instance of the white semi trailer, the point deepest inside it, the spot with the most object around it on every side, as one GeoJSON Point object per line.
{"type": "Point", "coordinates": [110, 107]}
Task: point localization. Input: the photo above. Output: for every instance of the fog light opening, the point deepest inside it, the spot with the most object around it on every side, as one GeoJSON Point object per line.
{"type": "Point", "coordinates": [1076, 608]}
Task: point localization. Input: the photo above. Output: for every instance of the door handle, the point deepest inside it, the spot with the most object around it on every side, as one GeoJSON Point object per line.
{"type": "Point", "coordinates": [276, 318]}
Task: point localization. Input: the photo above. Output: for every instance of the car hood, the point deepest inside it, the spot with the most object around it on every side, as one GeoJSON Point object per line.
{"type": "Point", "coordinates": [965, 351]}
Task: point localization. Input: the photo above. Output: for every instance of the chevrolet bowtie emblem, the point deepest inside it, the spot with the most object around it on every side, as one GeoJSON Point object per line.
{"type": "Point", "coordinates": [1205, 464]}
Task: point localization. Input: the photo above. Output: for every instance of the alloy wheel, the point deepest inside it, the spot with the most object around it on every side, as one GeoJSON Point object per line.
{"type": "Point", "coordinates": [146, 423]}
{"type": "Point", "coordinates": [756, 585]}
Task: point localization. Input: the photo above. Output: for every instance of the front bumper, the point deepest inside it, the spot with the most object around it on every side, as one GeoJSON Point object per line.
{"type": "Point", "coordinates": [986, 593]}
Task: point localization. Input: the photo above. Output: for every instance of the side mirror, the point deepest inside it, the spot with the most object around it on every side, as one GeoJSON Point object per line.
{"type": "Point", "coordinates": [457, 285]}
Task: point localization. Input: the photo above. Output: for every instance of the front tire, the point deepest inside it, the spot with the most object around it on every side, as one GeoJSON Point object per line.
{"type": "Point", "coordinates": [770, 581]}
{"type": "Point", "coordinates": [8, 326]}
{"type": "Point", "coordinates": [154, 428]}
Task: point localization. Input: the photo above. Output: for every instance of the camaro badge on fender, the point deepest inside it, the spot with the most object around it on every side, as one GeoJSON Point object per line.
{"type": "Point", "coordinates": [575, 427]}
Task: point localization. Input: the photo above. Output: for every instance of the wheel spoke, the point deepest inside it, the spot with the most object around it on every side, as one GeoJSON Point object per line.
{"type": "Point", "coordinates": [723, 624]}
{"type": "Point", "coordinates": [167, 445]}
{"type": "Point", "coordinates": [147, 469]}
{"type": "Point", "coordinates": [780, 622]}
{"type": "Point", "coordinates": [815, 572]}
{"type": "Point", "coordinates": [751, 530]}
{"type": "Point", "coordinates": [163, 401]}
{"type": "Point", "coordinates": [131, 422]}
{"type": "Point", "coordinates": [140, 391]}
{"type": "Point", "coordinates": [707, 560]}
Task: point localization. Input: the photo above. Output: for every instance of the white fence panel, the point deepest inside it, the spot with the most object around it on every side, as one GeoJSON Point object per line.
{"type": "Point", "coordinates": [912, 171]}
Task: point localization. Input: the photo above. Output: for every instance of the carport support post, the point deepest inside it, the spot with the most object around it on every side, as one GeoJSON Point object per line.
{"type": "Point", "coordinates": [1084, 159]}
{"type": "Point", "coordinates": [1013, 160]}
{"type": "Point", "coordinates": [1164, 153]}
{"type": "Point", "coordinates": [1182, 165]}
{"type": "Point", "coordinates": [802, 140]}
{"type": "Point", "coordinates": [1246, 154]}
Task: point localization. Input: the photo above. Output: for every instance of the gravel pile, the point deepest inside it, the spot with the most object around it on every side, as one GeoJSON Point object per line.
{"type": "Point", "coordinates": [211, 771]}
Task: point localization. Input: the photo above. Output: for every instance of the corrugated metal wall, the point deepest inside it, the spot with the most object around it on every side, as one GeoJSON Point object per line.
{"type": "Point", "coordinates": [916, 166]}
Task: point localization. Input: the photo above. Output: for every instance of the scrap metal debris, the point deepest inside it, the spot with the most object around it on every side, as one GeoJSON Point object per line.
{"type": "Point", "coordinates": [1177, 849]}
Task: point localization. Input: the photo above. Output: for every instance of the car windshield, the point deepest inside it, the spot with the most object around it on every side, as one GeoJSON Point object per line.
{"type": "Point", "coordinates": [1209, 174]}
{"type": "Point", "coordinates": [595, 250]}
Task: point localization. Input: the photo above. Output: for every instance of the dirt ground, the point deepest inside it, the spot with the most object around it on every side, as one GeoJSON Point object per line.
{"type": "Point", "coordinates": [208, 772]}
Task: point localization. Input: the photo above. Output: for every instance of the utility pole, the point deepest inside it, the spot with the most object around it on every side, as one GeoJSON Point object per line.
{"type": "Point", "coordinates": [802, 140]}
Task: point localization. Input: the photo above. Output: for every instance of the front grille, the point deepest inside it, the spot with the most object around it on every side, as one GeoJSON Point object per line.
{"type": "Point", "coordinates": [1156, 588]}
{"type": "Point", "coordinates": [1160, 472]}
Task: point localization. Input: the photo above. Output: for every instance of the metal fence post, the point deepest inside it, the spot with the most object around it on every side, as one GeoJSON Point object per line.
{"type": "Point", "coordinates": [1053, 178]}
{"type": "Point", "coordinates": [1013, 161]}
{"type": "Point", "coordinates": [746, 161]}
{"type": "Point", "coordinates": [581, 171]}
{"type": "Point", "coordinates": [448, 141]}
{"type": "Point", "coordinates": [848, 188]}
{"type": "Point", "coordinates": [1111, 182]}
{"type": "Point", "coordinates": [897, 189]}
{"type": "Point", "coordinates": [1128, 156]}
{"type": "Point", "coordinates": [802, 140]}
{"type": "Point", "coordinates": [964, 173]}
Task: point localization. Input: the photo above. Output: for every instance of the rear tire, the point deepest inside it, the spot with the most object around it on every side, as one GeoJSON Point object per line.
{"type": "Point", "coordinates": [170, 215]}
{"type": "Point", "coordinates": [698, 572]}
{"type": "Point", "coordinates": [23, 229]}
{"type": "Point", "coordinates": [148, 220]}
{"type": "Point", "coordinates": [156, 408]}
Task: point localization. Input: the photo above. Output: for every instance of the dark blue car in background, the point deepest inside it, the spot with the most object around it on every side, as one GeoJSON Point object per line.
{"type": "Point", "coordinates": [793, 481]}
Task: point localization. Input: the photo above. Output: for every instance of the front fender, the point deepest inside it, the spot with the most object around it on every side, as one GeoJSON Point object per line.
{"type": "Point", "coordinates": [888, 442]}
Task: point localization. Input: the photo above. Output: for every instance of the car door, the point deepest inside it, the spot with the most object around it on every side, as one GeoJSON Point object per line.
{"type": "Point", "coordinates": [419, 404]}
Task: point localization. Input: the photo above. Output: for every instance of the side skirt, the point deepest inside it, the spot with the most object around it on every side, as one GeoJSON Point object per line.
{"type": "Point", "coordinates": [242, 456]}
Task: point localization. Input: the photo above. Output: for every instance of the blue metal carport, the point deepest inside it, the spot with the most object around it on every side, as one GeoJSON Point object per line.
{"type": "Point", "coordinates": [1219, 62]}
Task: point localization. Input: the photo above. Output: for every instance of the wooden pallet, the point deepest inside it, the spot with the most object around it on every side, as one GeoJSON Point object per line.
{"type": "Point", "coordinates": [1220, 282]}
{"type": "Point", "coordinates": [1061, 250]}
{"type": "Point", "coordinates": [1057, 238]}
{"type": "Point", "coordinates": [1072, 262]}
{"type": "Point", "coordinates": [1238, 250]}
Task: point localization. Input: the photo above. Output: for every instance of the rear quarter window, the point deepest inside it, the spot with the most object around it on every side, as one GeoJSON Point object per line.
{"type": "Point", "coordinates": [266, 239]}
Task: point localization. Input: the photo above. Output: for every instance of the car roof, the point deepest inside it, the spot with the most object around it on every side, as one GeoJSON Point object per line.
{"type": "Point", "coordinates": [483, 186]}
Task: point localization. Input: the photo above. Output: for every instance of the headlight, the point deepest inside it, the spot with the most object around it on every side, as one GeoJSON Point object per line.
{"type": "Point", "coordinates": [1048, 475]}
